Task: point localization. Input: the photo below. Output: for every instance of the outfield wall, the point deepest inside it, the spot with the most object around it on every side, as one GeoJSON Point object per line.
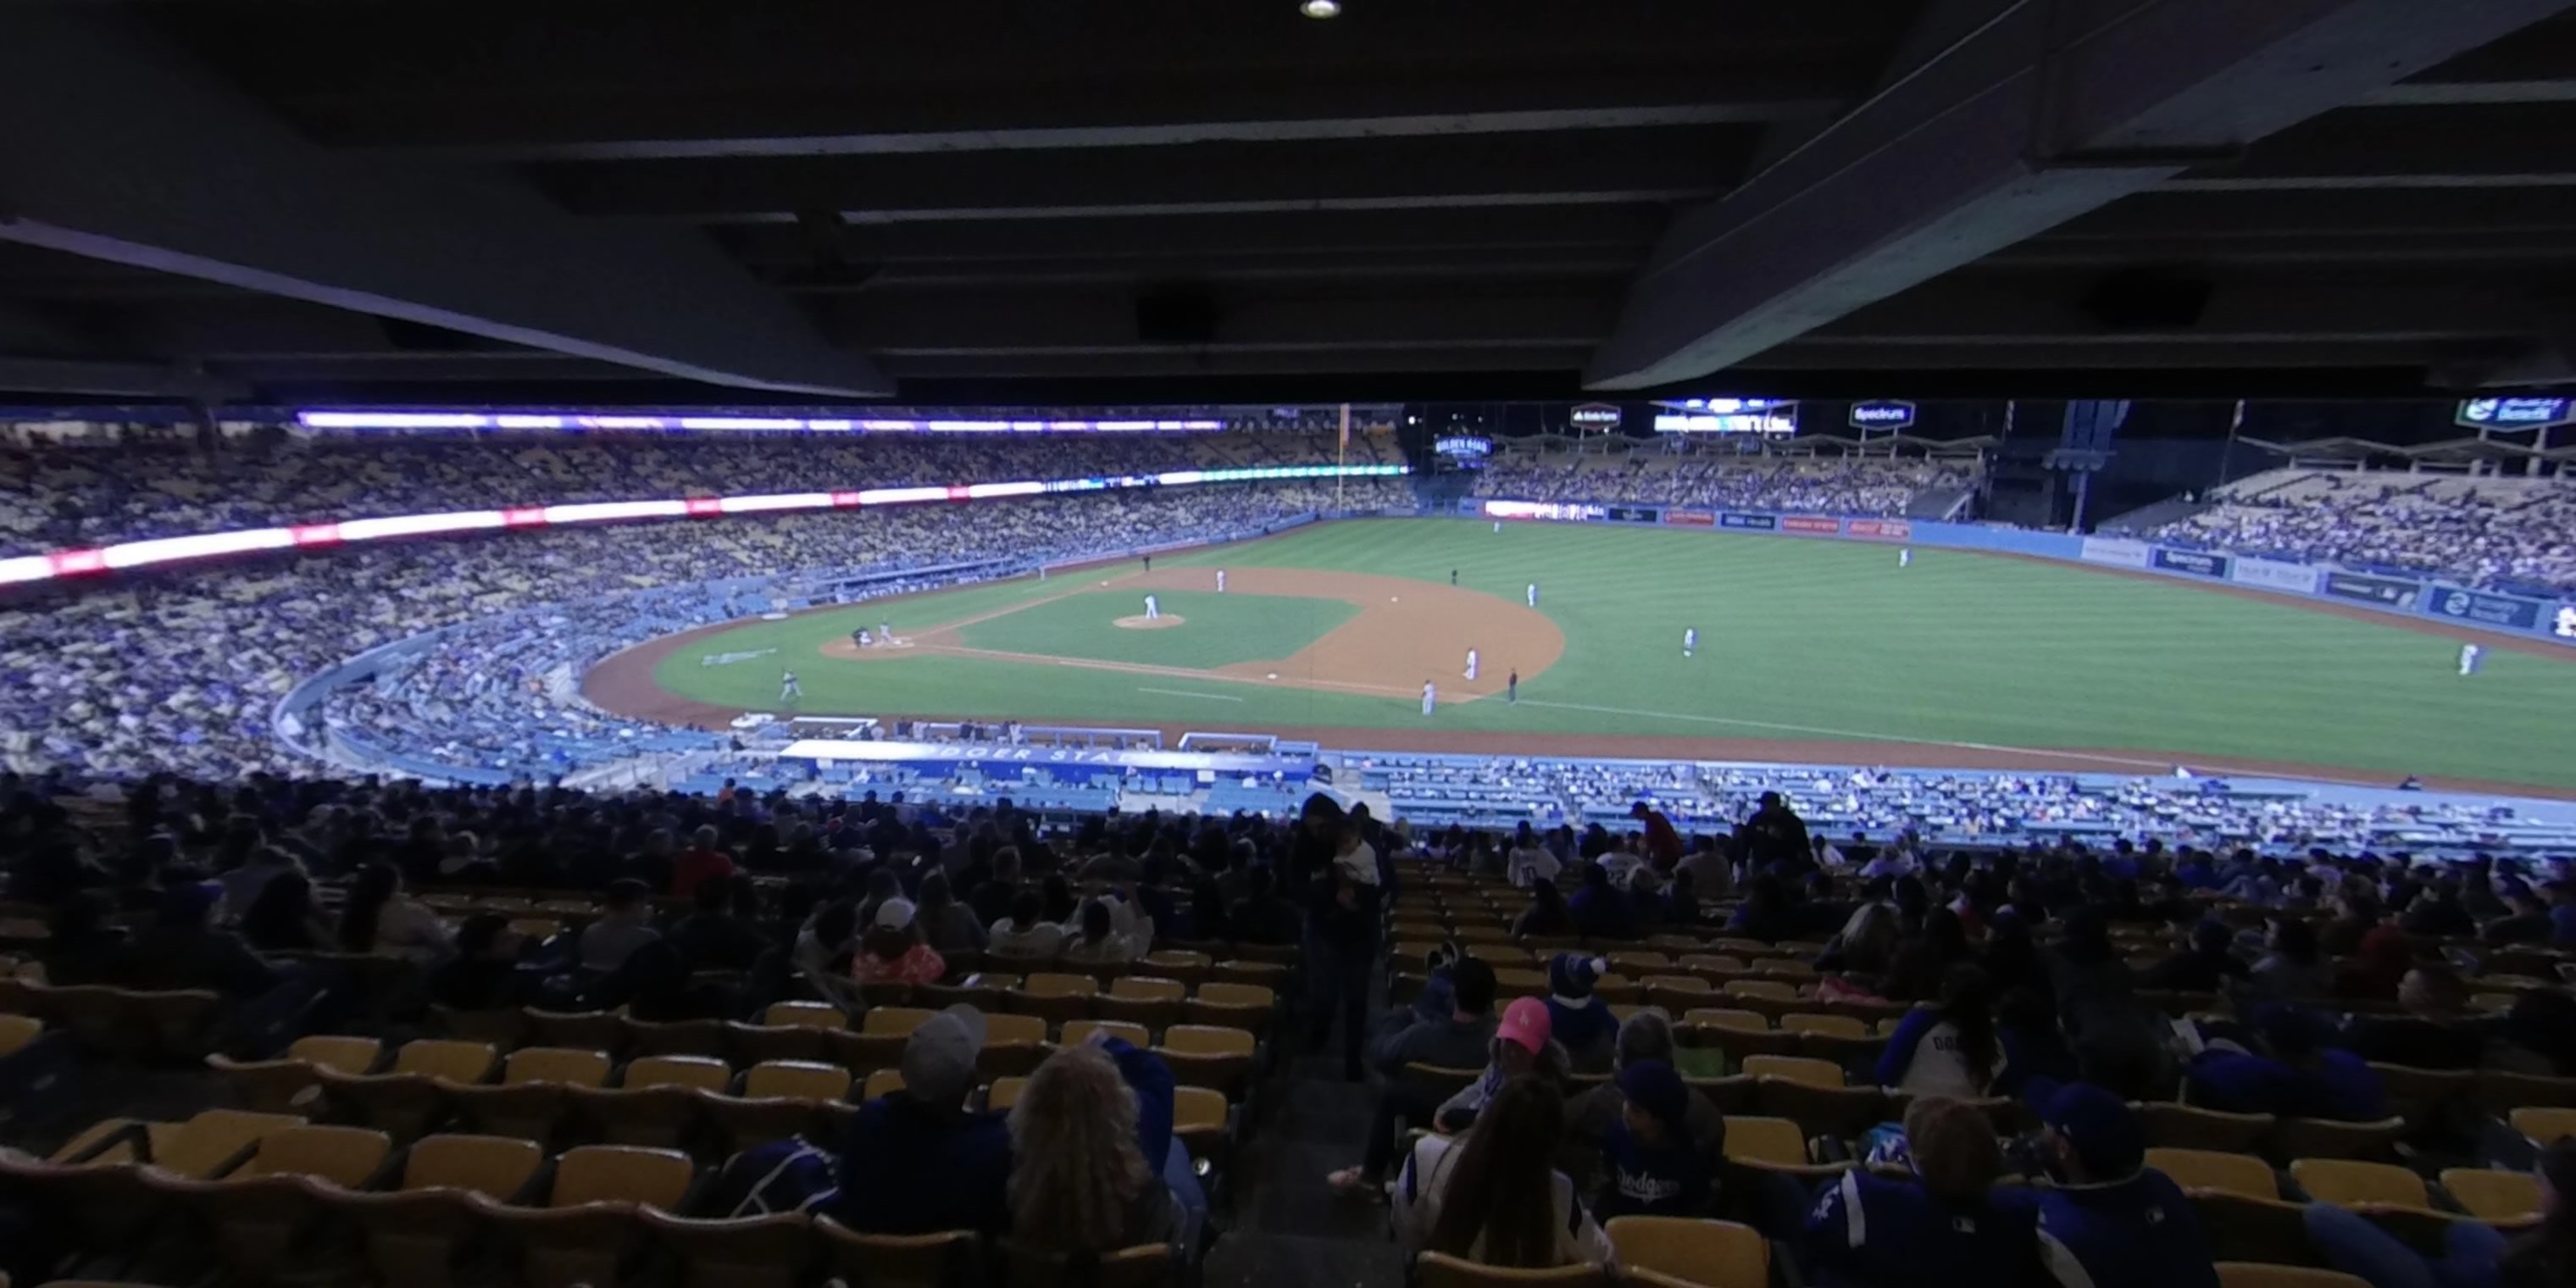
{"type": "Point", "coordinates": [2552, 620]}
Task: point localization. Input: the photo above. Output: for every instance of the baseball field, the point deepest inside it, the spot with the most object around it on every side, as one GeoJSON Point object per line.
{"type": "Point", "coordinates": [1807, 650]}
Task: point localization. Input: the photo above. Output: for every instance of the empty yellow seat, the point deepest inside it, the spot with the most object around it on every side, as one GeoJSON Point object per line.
{"type": "Point", "coordinates": [1814, 1073]}
{"type": "Point", "coordinates": [2209, 1169]}
{"type": "Point", "coordinates": [2347, 1183]}
{"type": "Point", "coordinates": [1668, 1250]}
{"type": "Point", "coordinates": [796, 1080]}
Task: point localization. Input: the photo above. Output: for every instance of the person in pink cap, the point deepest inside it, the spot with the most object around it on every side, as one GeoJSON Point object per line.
{"type": "Point", "coordinates": [1523, 1045]}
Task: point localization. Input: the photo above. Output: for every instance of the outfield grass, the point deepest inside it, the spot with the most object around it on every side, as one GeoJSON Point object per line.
{"type": "Point", "coordinates": [1217, 629]}
{"type": "Point", "coordinates": [1798, 639]}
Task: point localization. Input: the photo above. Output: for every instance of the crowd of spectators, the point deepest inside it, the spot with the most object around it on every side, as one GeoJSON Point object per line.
{"type": "Point", "coordinates": [1558, 796]}
{"type": "Point", "coordinates": [2035, 975]}
{"type": "Point", "coordinates": [57, 496]}
{"type": "Point", "coordinates": [2512, 537]}
{"type": "Point", "coordinates": [1818, 485]}
{"type": "Point", "coordinates": [180, 671]}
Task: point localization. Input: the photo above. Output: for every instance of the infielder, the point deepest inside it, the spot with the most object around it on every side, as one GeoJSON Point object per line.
{"type": "Point", "coordinates": [1220, 581]}
{"type": "Point", "coordinates": [789, 692]}
{"type": "Point", "coordinates": [1471, 664]}
{"type": "Point", "coordinates": [1153, 608]}
{"type": "Point", "coordinates": [1690, 640]}
{"type": "Point", "coordinates": [865, 640]}
{"type": "Point", "coordinates": [885, 631]}
{"type": "Point", "coordinates": [1905, 557]}
{"type": "Point", "coordinates": [1533, 594]}
{"type": "Point", "coordinates": [1430, 697]}
{"type": "Point", "coordinates": [2469, 655]}
{"type": "Point", "coordinates": [1512, 687]}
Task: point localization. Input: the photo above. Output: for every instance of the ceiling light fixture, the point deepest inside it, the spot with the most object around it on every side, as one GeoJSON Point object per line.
{"type": "Point", "coordinates": [1321, 8]}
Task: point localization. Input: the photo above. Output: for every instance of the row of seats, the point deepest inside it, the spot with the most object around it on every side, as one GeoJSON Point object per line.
{"type": "Point", "coordinates": [267, 1194]}
{"type": "Point", "coordinates": [533, 1090]}
{"type": "Point", "coordinates": [1224, 1016]}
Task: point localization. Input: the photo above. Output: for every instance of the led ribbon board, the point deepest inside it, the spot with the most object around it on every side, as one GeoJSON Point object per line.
{"type": "Point", "coordinates": [208, 545]}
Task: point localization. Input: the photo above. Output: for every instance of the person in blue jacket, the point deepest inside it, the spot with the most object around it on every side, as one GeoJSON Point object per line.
{"type": "Point", "coordinates": [918, 1161]}
{"type": "Point", "coordinates": [1652, 1166]}
{"type": "Point", "coordinates": [2301, 1077]}
{"type": "Point", "coordinates": [1938, 1228]}
{"type": "Point", "coordinates": [2110, 1221]}
{"type": "Point", "coordinates": [1579, 1021]}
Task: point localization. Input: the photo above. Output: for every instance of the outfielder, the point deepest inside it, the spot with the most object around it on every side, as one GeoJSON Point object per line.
{"type": "Point", "coordinates": [1690, 640]}
{"type": "Point", "coordinates": [1153, 609]}
{"type": "Point", "coordinates": [2469, 655]}
{"type": "Point", "coordinates": [1905, 557]}
{"type": "Point", "coordinates": [1471, 664]}
{"type": "Point", "coordinates": [1533, 594]}
{"type": "Point", "coordinates": [788, 691]}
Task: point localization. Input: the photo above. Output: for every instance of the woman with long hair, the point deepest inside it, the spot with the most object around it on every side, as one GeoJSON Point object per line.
{"type": "Point", "coordinates": [283, 918]}
{"type": "Point", "coordinates": [377, 918]}
{"type": "Point", "coordinates": [1079, 1180]}
{"type": "Point", "coordinates": [1496, 1197]}
{"type": "Point", "coordinates": [1949, 1049]}
{"type": "Point", "coordinates": [946, 924]}
{"type": "Point", "coordinates": [1856, 961]}
{"type": "Point", "coordinates": [1546, 913]}
{"type": "Point", "coordinates": [1107, 931]}
{"type": "Point", "coordinates": [1058, 893]}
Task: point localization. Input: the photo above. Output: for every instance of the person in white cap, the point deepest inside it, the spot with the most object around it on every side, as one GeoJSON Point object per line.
{"type": "Point", "coordinates": [891, 951]}
{"type": "Point", "coordinates": [918, 1161]}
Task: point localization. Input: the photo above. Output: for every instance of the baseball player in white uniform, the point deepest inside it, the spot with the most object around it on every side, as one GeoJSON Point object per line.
{"type": "Point", "coordinates": [1430, 696]}
{"type": "Point", "coordinates": [1533, 594]}
{"type": "Point", "coordinates": [1905, 557]}
{"type": "Point", "coordinates": [1220, 581]}
{"type": "Point", "coordinates": [789, 691]}
{"type": "Point", "coordinates": [1153, 608]}
{"type": "Point", "coordinates": [2469, 655]}
{"type": "Point", "coordinates": [1690, 640]}
{"type": "Point", "coordinates": [885, 631]}
{"type": "Point", "coordinates": [1471, 664]}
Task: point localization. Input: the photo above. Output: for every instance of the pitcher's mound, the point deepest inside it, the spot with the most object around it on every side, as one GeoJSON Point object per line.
{"type": "Point", "coordinates": [1144, 623]}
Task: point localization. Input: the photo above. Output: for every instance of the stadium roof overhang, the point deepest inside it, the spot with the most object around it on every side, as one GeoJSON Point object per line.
{"type": "Point", "coordinates": [995, 203]}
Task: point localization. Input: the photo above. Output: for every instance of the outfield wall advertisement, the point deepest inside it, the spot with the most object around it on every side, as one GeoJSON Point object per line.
{"type": "Point", "coordinates": [2272, 574]}
{"type": "Point", "coordinates": [2199, 563]}
{"type": "Point", "coordinates": [2549, 619]}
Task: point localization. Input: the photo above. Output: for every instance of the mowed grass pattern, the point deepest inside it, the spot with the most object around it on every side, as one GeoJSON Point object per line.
{"type": "Point", "coordinates": [1215, 629]}
{"type": "Point", "coordinates": [1798, 639]}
